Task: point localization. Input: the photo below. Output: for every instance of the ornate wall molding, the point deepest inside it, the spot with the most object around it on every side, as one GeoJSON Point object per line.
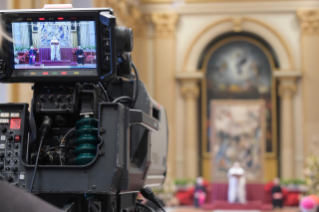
{"type": "Point", "coordinates": [190, 90]}
{"type": "Point", "coordinates": [165, 24]}
{"type": "Point", "coordinates": [287, 90]}
{"type": "Point", "coordinates": [238, 22]}
{"type": "Point", "coordinates": [309, 21]}
{"type": "Point", "coordinates": [272, 36]}
{"type": "Point", "coordinates": [287, 82]}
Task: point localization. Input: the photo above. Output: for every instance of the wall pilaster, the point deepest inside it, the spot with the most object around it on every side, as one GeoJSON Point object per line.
{"type": "Point", "coordinates": [286, 91]}
{"type": "Point", "coordinates": [190, 93]}
{"type": "Point", "coordinates": [164, 84]}
{"type": "Point", "coordinates": [309, 23]}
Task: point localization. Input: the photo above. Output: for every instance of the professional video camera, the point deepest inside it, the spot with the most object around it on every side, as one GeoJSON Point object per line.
{"type": "Point", "coordinates": [93, 134]}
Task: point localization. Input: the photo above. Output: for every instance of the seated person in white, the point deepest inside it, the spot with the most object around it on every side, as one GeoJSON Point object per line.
{"type": "Point", "coordinates": [237, 184]}
{"type": "Point", "coordinates": [55, 49]}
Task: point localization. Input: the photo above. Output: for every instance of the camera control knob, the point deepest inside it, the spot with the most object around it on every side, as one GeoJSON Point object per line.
{"type": "Point", "coordinates": [9, 179]}
{"type": "Point", "coordinates": [105, 31]}
{"type": "Point", "coordinates": [14, 168]}
{"type": "Point", "coordinates": [106, 46]}
{"type": "Point", "coordinates": [63, 106]}
{"type": "Point", "coordinates": [107, 60]}
{"type": "Point", "coordinates": [3, 129]}
{"type": "Point", "coordinates": [10, 138]}
{"type": "Point", "coordinates": [42, 98]}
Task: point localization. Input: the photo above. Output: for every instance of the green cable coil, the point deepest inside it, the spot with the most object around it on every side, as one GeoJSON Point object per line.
{"type": "Point", "coordinates": [86, 140]}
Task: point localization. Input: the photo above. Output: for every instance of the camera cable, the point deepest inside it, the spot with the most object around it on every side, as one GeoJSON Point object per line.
{"type": "Point", "coordinates": [104, 91]}
{"type": "Point", "coordinates": [136, 85]}
{"type": "Point", "coordinates": [45, 129]}
{"type": "Point", "coordinates": [92, 205]}
{"type": "Point", "coordinates": [145, 206]}
{"type": "Point", "coordinates": [149, 194]}
{"type": "Point", "coordinates": [122, 97]}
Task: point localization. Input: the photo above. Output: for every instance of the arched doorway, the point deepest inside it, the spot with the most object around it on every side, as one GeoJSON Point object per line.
{"type": "Point", "coordinates": [238, 72]}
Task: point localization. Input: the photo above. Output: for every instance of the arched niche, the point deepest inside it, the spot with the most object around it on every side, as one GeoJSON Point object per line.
{"type": "Point", "coordinates": [194, 55]}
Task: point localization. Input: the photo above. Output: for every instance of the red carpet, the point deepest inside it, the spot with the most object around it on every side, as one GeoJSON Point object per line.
{"type": "Point", "coordinates": [56, 63]}
{"type": "Point", "coordinates": [224, 205]}
{"type": "Point", "coordinates": [257, 199]}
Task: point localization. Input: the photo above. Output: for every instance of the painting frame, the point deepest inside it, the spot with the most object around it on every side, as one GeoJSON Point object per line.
{"type": "Point", "coordinates": [214, 104]}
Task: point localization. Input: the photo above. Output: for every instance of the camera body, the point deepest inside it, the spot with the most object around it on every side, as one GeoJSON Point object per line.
{"type": "Point", "coordinates": [106, 136]}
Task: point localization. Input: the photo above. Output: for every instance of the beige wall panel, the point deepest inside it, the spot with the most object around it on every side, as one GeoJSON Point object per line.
{"type": "Point", "coordinates": [298, 132]}
{"type": "Point", "coordinates": [150, 66]}
{"type": "Point", "coordinates": [310, 50]}
{"type": "Point", "coordinates": [180, 135]}
{"type": "Point", "coordinates": [164, 87]}
{"type": "Point", "coordinates": [25, 93]}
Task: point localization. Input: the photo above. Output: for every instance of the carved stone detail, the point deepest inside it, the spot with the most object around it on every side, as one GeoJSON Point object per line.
{"type": "Point", "coordinates": [309, 20]}
{"type": "Point", "coordinates": [287, 88]}
{"type": "Point", "coordinates": [165, 24]}
{"type": "Point", "coordinates": [238, 22]}
{"type": "Point", "coordinates": [190, 90]}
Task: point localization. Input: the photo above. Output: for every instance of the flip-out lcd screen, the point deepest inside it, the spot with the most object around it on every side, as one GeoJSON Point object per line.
{"type": "Point", "coordinates": [54, 48]}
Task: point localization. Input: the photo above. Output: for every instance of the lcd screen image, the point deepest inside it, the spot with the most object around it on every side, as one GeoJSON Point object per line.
{"type": "Point", "coordinates": [54, 45]}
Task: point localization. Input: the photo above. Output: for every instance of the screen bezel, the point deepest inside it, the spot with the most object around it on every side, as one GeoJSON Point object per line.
{"type": "Point", "coordinates": [10, 18]}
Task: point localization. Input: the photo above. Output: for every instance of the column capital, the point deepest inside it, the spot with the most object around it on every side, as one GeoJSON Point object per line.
{"type": "Point", "coordinates": [309, 20]}
{"type": "Point", "coordinates": [190, 89]}
{"type": "Point", "coordinates": [287, 87]}
{"type": "Point", "coordinates": [165, 24]}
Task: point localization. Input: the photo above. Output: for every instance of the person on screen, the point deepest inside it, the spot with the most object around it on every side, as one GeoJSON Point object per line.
{"type": "Point", "coordinates": [80, 56]}
{"type": "Point", "coordinates": [237, 184]}
{"type": "Point", "coordinates": [55, 49]}
{"type": "Point", "coordinates": [32, 55]}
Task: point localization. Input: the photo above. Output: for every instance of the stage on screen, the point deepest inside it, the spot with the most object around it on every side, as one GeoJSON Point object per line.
{"type": "Point", "coordinates": [54, 45]}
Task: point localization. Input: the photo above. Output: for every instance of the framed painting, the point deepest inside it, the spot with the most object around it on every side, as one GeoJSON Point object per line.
{"type": "Point", "coordinates": [237, 135]}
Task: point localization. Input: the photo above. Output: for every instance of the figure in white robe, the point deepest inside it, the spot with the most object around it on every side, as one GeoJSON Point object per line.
{"type": "Point", "coordinates": [237, 184]}
{"type": "Point", "coordinates": [55, 49]}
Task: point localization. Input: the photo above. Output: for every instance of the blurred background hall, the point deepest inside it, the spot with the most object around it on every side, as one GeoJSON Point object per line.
{"type": "Point", "coordinates": [240, 82]}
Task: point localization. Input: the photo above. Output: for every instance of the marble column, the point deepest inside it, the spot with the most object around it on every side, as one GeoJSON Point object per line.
{"type": "Point", "coordinates": [164, 85]}
{"type": "Point", "coordinates": [286, 90]}
{"type": "Point", "coordinates": [190, 93]}
{"type": "Point", "coordinates": [309, 22]}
